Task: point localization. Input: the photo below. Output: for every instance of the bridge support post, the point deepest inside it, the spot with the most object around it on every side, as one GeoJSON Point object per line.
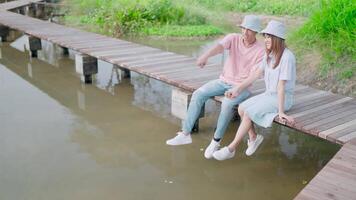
{"type": "Point", "coordinates": [86, 66]}
{"type": "Point", "coordinates": [4, 32]}
{"type": "Point", "coordinates": [34, 45]}
{"type": "Point", "coordinates": [179, 106]}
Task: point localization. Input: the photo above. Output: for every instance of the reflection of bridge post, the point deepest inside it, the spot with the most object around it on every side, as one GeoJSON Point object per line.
{"type": "Point", "coordinates": [21, 10]}
{"type": "Point", "coordinates": [4, 32]}
{"type": "Point", "coordinates": [122, 73]}
{"type": "Point", "coordinates": [34, 45]}
{"type": "Point", "coordinates": [7, 34]}
{"type": "Point", "coordinates": [29, 69]}
{"type": "Point", "coordinates": [81, 99]}
{"type": "Point", "coordinates": [39, 10]}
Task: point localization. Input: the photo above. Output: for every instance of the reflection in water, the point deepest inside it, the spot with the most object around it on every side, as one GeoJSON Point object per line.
{"type": "Point", "coordinates": [106, 141]}
{"type": "Point", "coordinates": [108, 76]}
{"type": "Point", "coordinates": [289, 149]}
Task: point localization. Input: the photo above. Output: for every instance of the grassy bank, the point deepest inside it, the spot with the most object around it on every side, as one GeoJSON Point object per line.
{"type": "Point", "coordinates": [145, 17]}
{"type": "Point", "coordinates": [331, 31]}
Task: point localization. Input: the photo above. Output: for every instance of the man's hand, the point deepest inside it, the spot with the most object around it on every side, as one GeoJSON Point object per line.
{"type": "Point", "coordinates": [232, 93]}
{"type": "Point", "coordinates": [202, 60]}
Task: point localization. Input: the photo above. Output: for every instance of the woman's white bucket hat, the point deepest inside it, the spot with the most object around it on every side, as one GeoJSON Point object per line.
{"type": "Point", "coordinates": [275, 28]}
{"type": "Point", "coordinates": [251, 22]}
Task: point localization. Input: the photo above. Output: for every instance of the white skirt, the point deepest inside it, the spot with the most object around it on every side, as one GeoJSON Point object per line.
{"type": "Point", "coordinates": [263, 108]}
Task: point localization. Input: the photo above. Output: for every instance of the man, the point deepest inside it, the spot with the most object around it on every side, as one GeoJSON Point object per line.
{"type": "Point", "coordinates": [245, 53]}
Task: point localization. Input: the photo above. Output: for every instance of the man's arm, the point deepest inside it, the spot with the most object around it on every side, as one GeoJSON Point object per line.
{"type": "Point", "coordinates": [254, 75]}
{"type": "Point", "coordinates": [203, 59]}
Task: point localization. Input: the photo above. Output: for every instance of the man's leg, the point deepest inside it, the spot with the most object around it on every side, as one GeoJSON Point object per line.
{"type": "Point", "coordinates": [227, 112]}
{"type": "Point", "coordinates": [199, 97]}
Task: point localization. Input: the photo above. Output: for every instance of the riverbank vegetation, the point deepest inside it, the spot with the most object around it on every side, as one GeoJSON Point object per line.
{"type": "Point", "coordinates": [331, 32]}
{"type": "Point", "coordinates": [186, 17]}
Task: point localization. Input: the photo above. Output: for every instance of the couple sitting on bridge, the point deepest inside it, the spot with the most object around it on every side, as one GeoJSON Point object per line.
{"type": "Point", "coordinates": [248, 59]}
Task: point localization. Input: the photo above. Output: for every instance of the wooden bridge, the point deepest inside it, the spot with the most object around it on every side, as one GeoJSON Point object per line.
{"type": "Point", "coordinates": [319, 113]}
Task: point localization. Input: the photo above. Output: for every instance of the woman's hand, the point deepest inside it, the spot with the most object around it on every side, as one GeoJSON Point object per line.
{"type": "Point", "coordinates": [232, 93]}
{"type": "Point", "coordinates": [285, 118]}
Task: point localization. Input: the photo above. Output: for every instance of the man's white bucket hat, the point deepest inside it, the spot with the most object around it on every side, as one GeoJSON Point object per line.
{"type": "Point", "coordinates": [251, 22]}
{"type": "Point", "coordinates": [275, 28]}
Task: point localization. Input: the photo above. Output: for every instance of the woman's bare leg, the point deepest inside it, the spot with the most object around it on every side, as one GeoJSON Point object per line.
{"type": "Point", "coordinates": [243, 129]}
{"type": "Point", "coordinates": [252, 133]}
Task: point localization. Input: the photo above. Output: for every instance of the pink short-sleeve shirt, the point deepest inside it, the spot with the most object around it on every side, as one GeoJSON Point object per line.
{"type": "Point", "coordinates": [241, 59]}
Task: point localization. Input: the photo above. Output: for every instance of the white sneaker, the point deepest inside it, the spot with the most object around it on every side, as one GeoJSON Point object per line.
{"type": "Point", "coordinates": [213, 146]}
{"type": "Point", "coordinates": [253, 145]}
{"type": "Point", "coordinates": [223, 154]}
{"type": "Point", "coordinates": [180, 139]}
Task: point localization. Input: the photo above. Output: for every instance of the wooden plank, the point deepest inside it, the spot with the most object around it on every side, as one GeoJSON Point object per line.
{"type": "Point", "coordinates": [336, 122]}
{"type": "Point", "coordinates": [327, 132]}
{"type": "Point", "coordinates": [311, 95]}
{"type": "Point", "coordinates": [330, 120]}
{"type": "Point", "coordinates": [170, 69]}
{"type": "Point", "coordinates": [129, 54]}
{"type": "Point", "coordinates": [142, 56]}
{"type": "Point", "coordinates": [163, 62]}
{"type": "Point", "coordinates": [346, 138]}
{"type": "Point", "coordinates": [176, 67]}
{"type": "Point", "coordinates": [107, 53]}
{"type": "Point", "coordinates": [327, 98]}
{"type": "Point", "coordinates": [325, 113]}
{"type": "Point", "coordinates": [316, 107]}
{"type": "Point", "coordinates": [194, 74]}
{"type": "Point", "coordinates": [154, 60]}
{"type": "Point", "coordinates": [107, 47]}
{"type": "Point", "coordinates": [336, 135]}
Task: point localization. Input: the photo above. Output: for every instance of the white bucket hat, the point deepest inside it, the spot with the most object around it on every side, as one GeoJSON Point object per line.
{"type": "Point", "coordinates": [275, 28]}
{"type": "Point", "coordinates": [251, 22]}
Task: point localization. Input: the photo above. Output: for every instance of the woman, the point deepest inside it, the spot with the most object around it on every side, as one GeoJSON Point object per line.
{"type": "Point", "coordinates": [279, 70]}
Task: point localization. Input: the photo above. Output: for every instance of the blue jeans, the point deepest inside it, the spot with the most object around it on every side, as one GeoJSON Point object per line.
{"type": "Point", "coordinates": [201, 95]}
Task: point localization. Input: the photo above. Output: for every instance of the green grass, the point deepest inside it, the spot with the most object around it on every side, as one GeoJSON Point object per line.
{"type": "Point", "coordinates": [274, 7]}
{"type": "Point", "coordinates": [131, 17]}
{"type": "Point", "coordinates": [183, 31]}
{"type": "Point", "coordinates": [332, 30]}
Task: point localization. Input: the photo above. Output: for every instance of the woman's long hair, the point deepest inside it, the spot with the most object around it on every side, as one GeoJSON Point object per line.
{"type": "Point", "coordinates": [277, 49]}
